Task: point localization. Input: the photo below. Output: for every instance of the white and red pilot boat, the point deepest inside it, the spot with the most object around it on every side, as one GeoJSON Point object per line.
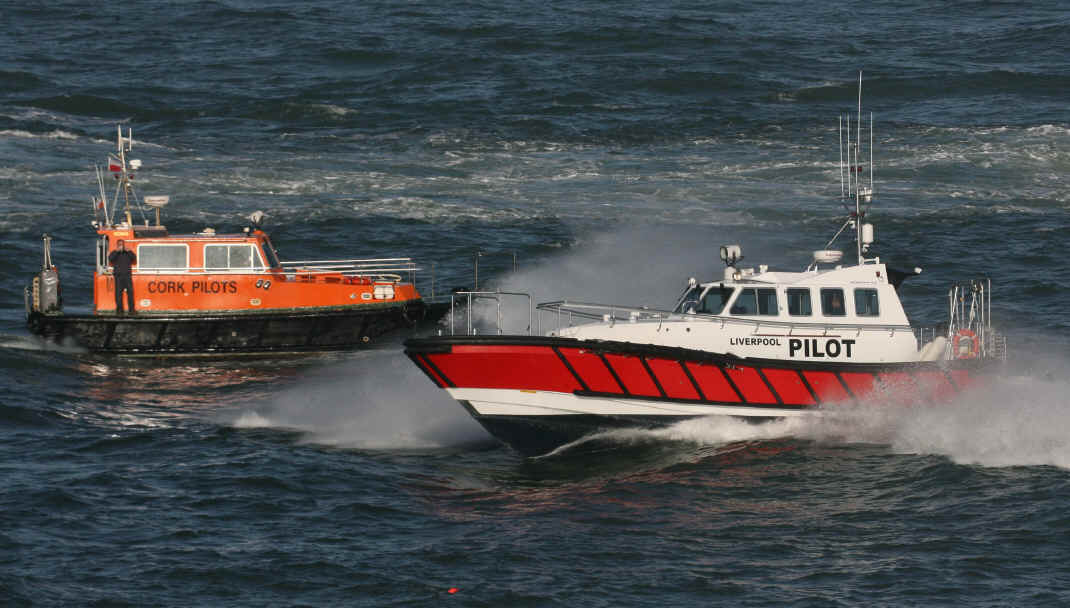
{"type": "Point", "coordinates": [754, 343]}
{"type": "Point", "coordinates": [212, 293]}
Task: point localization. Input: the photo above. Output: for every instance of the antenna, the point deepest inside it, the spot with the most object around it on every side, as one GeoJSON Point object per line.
{"type": "Point", "coordinates": [858, 190]}
{"type": "Point", "coordinates": [851, 184]}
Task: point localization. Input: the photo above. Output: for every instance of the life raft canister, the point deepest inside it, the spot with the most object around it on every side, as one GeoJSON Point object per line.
{"type": "Point", "coordinates": [965, 344]}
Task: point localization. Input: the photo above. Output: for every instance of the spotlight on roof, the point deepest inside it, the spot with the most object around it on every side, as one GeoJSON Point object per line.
{"type": "Point", "coordinates": [730, 254]}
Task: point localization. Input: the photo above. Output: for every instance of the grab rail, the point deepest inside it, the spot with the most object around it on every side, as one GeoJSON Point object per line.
{"type": "Point", "coordinates": [387, 269]}
{"type": "Point", "coordinates": [613, 312]}
{"type": "Point", "coordinates": [471, 297]}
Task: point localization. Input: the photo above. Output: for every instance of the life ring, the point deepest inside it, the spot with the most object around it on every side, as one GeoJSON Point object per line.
{"type": "Point", "coordinates": [973, 348]}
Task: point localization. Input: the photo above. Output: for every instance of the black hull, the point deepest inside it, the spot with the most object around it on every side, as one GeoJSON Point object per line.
{"type": "Point", "coordinates": [231, 333]}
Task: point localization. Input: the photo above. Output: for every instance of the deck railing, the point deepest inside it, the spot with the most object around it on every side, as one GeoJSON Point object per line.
{"type": "Point", "coordinates": [469, 300]}
{"type": "Point", "coordinates": [384, 269]}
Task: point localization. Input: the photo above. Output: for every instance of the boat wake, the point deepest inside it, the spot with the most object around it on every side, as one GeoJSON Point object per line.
{"type": "Point", "coordinates": [382, 404]}
{"type": "Point", "coordinates": [34, 343]}
{"type": "Point", "coordinates": [706, 432]}
{"type": "Point", "coordinates": [1019, 420]}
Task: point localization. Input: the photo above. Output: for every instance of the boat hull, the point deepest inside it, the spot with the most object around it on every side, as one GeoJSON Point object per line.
{"type": "Point", "coordinates": [293, 330]}
{"type": "Point", "coordinates": [537, 393]}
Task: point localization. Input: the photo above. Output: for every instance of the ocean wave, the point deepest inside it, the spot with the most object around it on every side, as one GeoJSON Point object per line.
{"type": "Point", "coordinates": [56, 134]}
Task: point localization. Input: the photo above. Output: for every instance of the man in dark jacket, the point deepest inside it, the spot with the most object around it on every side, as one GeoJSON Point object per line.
{"type": "Point", "coordinates": [121, 261]}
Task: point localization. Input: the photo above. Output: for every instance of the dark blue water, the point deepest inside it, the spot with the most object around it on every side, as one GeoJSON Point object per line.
{"type": "Point", "coordinates": [611, 147]}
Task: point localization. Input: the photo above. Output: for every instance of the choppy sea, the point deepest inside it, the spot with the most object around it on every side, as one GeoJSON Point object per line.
{"type": "Point", "coordinates": [608, 148]}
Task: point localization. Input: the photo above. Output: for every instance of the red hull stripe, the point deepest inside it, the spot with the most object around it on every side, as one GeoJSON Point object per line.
{"type": "Point", "coordinates": [751, 385]}
{"type": "Point", "coordinates": [672, 379]}
{"type": "Point", "coordinates": [713, 383]}
{"type": "Point", "coordinates": [567, 369]}
{"type": "Point", "coordinates": [653, 377]}
{"type": "Point", "coordinates": [536, 368]}
{"type": "Point", "coordinates": [827, 386]}
{"type": "Point", "coordinates": [568, 366]}
{"type": "Point", "coordinates": [859, 383]}
{"type": "Point", "coordinates": [592, 369]}
{"type": "Point", "coordinates": [789, 386]}
{"type": "Point", "coordinates": [634, 375]}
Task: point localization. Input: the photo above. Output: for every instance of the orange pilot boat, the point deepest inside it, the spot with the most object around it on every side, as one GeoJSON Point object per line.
{"type": "Point", "coordinates": [209, 293]}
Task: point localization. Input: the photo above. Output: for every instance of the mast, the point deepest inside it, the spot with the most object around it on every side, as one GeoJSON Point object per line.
{"type": "Point", "coordinates": [851, 184]}
{"type": "Point", "coordinates": [858, 167]}
{"type": "Point", "coordinates": [124, 176]}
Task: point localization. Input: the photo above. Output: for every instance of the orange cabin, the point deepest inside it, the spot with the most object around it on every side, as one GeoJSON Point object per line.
{"type": "Point", "coordinates": [208, 272]}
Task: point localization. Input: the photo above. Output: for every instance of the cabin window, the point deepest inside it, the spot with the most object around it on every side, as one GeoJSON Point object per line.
{"type": "Point", "coordinates": [162, 258]}
{"type": "Point", "coordinates": [272, 257]}
{"type": "Point", "coordinates": [799, 302]}
{"type": "Point", "coordinates": [866, 303]}
{"type": "Point", "coordinates": [713, 302]}
{"type": "Point", "coordinates": [832, 302]}
{"type": "Point", "coordinates": [231, 257]}
{"type": "Point", "coordinates": [753, 301]}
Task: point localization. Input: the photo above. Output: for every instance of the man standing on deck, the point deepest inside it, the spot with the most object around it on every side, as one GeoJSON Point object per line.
{"type": "Point", "coordinates": [121, 261]}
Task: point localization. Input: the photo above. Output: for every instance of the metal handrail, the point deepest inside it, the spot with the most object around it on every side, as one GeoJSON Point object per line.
{"type": "Point", "coordinates": [584, 310]}
{"type": "Point", "coordinates": [386, 273]}
{"type": "Point", "coordinates": [368, 260]}
{"type": "Point", "coordinates": [496, 295]}
{"type": "Point", "coordinates": [974, 314]}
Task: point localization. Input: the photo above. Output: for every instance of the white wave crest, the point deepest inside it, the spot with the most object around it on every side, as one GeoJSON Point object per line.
{"type": "Point", "coordinates": [55, 134]}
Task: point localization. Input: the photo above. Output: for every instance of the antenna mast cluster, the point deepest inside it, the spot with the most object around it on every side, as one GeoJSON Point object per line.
{"type": "Point", "coordinates": [851, 176]}
{"type": "Point", "coordinates": [123, 171]}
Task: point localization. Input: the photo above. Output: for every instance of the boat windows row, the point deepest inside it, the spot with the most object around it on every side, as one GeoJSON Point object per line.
{"type": "Point", "coordinates": [237, 257]}
{"type": "Point", "coordinates": [764, 301]}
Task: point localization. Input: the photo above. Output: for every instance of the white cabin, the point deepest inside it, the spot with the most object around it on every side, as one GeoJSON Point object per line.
{"type": "Point", "coordinates": [845, 314]}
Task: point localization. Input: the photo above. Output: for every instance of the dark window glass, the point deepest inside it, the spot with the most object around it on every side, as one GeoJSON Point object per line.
{"type": "Point", "coordinates": [799, 302]}
{"type": "Point", "coordinates": [746, 303]}
{"type": "Point", "coordinates": [866, 303]}
{"type": "Point", "coordinates": [767, 302]}
{"type": "Point", "coordinates": [272, 257]}
{"type": "Point", "coordinates": [714, 300]}
{"type": "Point", "coordinates": [755, 302]}
{"type": "Point", "coordinates": [832, 302]}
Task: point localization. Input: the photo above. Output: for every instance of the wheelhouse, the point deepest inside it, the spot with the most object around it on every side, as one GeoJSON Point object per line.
{"type": "Point", "coordinates": [854, 295]}
{"type": "Point", "coordinates": [205, 252]}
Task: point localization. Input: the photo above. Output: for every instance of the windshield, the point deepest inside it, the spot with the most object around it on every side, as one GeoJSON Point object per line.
{"type": "Point", "coordinates": [714, 299]}
{"type": "Point", "coordinates": [269, 253]}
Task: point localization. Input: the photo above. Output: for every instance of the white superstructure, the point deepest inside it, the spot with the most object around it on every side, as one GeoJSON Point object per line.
{"type": "Point", "coordinates": [846, 314]}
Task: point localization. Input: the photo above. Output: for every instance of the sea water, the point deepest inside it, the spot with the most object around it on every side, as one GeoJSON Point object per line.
{"type": "Point", "coordinates": [585, 150]}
